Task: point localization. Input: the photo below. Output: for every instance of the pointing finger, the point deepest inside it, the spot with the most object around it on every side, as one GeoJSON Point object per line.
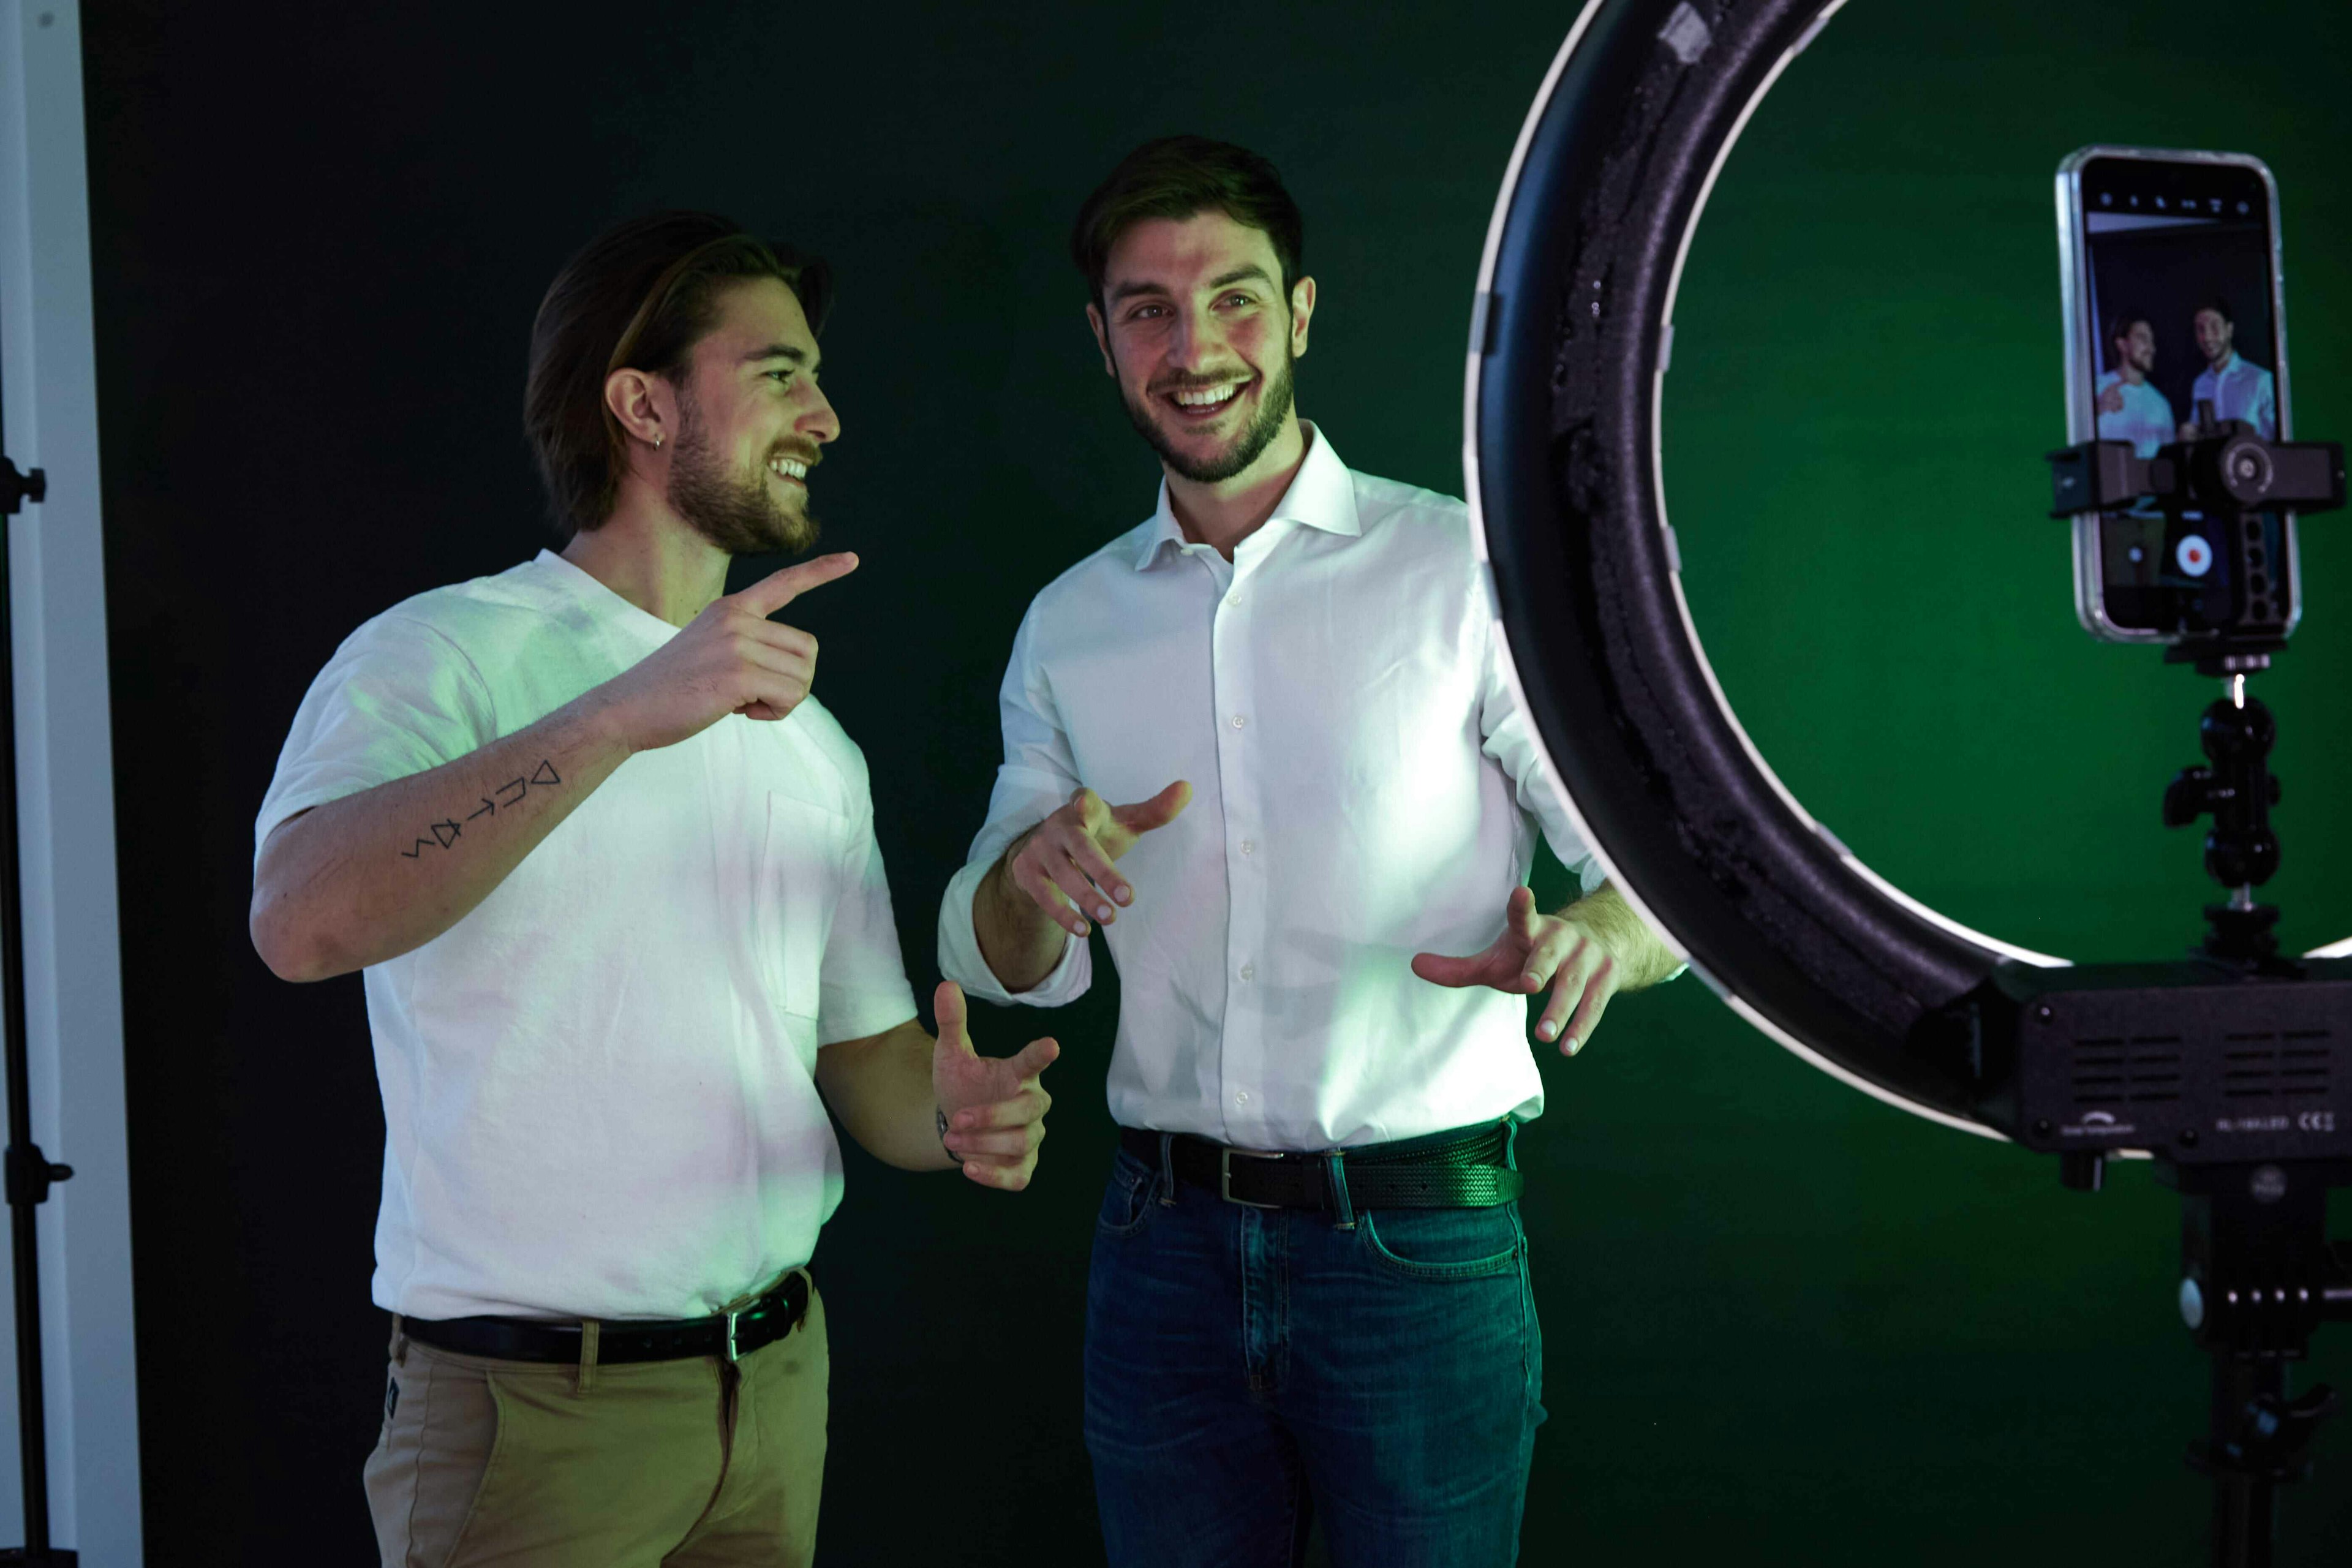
{"type": "Point", "coordinates": [1520, 912]}
{"type": "Point", "coordinates": [1033, 1058]}
{"type": "Point", "coordinates": [776, 590]}
{"type": "Point", "coordinates": [1158, 812]}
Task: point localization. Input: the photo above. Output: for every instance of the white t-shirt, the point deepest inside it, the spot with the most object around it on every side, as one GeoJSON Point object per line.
{"type": "Point", "coordinates": [2145, 420]}
{"type": "Point", "coordinates": [598, 1085]}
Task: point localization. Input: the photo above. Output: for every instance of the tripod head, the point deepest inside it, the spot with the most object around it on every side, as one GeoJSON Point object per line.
{"type": "Point", "coordinates": [2215, 491]}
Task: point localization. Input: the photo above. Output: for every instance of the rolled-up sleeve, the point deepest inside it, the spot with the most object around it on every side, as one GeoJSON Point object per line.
{"type": "Point", "coordinates": [1509, 737]}
{"type": "Point", "coordinates": [1038, 774]}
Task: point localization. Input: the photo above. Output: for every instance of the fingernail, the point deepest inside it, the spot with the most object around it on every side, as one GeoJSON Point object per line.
{"type": "Point", "coordinates": [1572, 1045]}
{"type": "Point", "coordinates": [1532, 980]}
{"type": "Point", "coordinates": [1124, 895]}
{"type": "Point", "coordinates": [1077, 928]}
{"type": "Point", "coordinates": [1544, 1029]}
{"type": "Point", "coordinates": [1102, 912]}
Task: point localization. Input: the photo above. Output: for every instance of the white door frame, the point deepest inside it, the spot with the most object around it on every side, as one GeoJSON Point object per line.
{"type": "Point", "coordinates": [65, 781]}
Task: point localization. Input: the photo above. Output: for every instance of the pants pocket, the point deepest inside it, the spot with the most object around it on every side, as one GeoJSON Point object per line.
{"type": "Point", "coordinates": [1443, 1244]}
{"type": "Point", "coordinates": [429, 1470]}
{"type": "Point", "coordinates": [1130, 1198]}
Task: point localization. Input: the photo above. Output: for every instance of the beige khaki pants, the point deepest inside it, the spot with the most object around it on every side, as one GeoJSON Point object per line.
{"type": "Point", "coordinates": [673, 1464]}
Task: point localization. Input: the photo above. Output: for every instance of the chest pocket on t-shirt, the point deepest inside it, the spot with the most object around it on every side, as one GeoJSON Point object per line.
{"type": "Point", "coordinates": [800, 879]}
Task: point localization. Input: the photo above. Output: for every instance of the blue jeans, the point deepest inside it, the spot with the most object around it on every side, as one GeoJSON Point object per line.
{"type": "Point", "coordinates": [1248, 1369]}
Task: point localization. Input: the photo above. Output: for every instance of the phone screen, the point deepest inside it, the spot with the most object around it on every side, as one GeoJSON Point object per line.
{"type": "Point", "coordinates": [2179, 307]}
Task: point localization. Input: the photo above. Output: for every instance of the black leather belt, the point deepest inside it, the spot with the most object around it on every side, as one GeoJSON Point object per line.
{"type": "Point", "coordinates": [731, 1336]}
{"type": "Point", "coordinates": [1466, 1172]}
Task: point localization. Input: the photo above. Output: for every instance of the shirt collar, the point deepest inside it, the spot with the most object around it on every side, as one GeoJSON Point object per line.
{"type": "Point", "coordinates": [1322, 494]}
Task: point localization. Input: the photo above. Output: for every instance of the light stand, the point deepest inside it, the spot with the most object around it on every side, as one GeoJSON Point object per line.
{"type": "Point", "coordinates": [2254, 1146]}
{"type": "Point", "coordinates": [29, 1174]}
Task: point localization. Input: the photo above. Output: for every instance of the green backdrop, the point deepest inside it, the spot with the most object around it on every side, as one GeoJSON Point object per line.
{"type": "Point", "coordinates": [1785, 1324]}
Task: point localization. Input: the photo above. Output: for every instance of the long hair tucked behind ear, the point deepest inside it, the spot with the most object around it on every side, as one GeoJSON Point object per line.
{"type": "Point", "coordinates": [640, 295]}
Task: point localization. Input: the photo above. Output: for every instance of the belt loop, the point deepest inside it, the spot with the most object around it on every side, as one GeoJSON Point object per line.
{"type": "Point", "coordinates": [1336, 1162]}
{"type": "Point", "coordinates": [399, 1342]}
{"type": "Point", "coordinates": [584, 1378]}
{"type": "Point", "coordinates": [1510, 1142]}
{"type": "Point", "coordinates": [1168, 1170]}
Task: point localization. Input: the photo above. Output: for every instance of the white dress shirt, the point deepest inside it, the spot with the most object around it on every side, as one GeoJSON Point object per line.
{"type": "Point", "coordinates": [599, 1086]}
{"type": "Point", "coordinates": [2239, 390]}
{"type": "Point", "coordinates": [1364, 787]}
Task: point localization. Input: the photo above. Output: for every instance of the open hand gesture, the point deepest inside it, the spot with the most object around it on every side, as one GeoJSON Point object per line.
{"type": "Point", "coordinates": [1065, 862]}
{"type": "Point", "coordinates": [994, 1106]}
{"type": "Point", "coordinates": [1534, 950]}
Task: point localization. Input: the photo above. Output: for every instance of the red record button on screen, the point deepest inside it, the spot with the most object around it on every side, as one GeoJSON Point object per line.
{"type": "Point", "coordinates": [2196, 556]}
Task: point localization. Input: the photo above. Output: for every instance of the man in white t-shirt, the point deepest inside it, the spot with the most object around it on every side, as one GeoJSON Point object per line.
{"type": "Point", "coordinates": [611, 873]}
{"type": "Point", "coordinates": [2130, 408]}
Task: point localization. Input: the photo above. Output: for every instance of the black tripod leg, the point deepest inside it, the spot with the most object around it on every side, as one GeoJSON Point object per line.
{"type": "Point", "coordinates": [2245, 1506]}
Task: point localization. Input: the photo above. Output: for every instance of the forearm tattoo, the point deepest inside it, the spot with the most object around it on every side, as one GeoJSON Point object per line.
{"type": "Point", "coordinates": [446, 833]}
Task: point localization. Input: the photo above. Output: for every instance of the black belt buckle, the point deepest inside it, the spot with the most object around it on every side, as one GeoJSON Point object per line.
{"type": "Point", "coordinates": [1225, 1174]}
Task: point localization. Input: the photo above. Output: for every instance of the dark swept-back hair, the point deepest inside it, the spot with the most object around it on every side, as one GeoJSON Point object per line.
{"type": "Point", "coordinates": [2119, 326]}
{"type": "Point", "coordinates": [640, 295]}
{"type": "Point", "coordinates": [2216, 304]}
{"type": "Point", "coordinates": [1175, 177]}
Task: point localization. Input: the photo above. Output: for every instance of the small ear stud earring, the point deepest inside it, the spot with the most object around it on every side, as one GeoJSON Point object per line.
{"type": "Point", "coordinates": [656, 439]}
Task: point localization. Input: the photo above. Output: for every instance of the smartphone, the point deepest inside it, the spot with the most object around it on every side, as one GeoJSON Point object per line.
{"type": "Point", "coordinates": [2175, 322]}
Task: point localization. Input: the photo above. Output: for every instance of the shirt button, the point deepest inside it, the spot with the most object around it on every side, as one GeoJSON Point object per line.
{"type": "Point", "coordinates": [1241, 1097]}
{"type": "Point", "coordinates": [1235, 597]}
{"type": "Point", "coordinates": [1239, 720]}
{"type": "Point", "coordinates": [1249, 845]}
{"type": "Point", "coordinates": [1249, 972]}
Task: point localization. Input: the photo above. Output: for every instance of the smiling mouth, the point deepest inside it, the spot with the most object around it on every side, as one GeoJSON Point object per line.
{"type": "Point", "coordinates": [790, 469]}
{"type": "Point", "coordinates": [1201, 404]}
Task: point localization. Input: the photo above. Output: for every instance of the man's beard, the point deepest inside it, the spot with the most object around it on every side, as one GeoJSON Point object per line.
{"type": "Point", "coordinates": [1274, 407]}
{"type": "Point", "coordinates": [737, 512]}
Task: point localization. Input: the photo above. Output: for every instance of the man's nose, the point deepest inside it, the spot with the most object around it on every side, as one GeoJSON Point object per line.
{"type": "Point", "coordinates": [1188, 340]}
{"type": "Point", "coordinates": [819, 423]}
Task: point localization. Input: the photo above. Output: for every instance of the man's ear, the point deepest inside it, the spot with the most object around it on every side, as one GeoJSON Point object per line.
{"type": "Point", "coordinates": [1102, 340]}
{"type": "Point", "coordinates": [645, 405]}
{"type": "Point", "coordinates": [1302, 306]}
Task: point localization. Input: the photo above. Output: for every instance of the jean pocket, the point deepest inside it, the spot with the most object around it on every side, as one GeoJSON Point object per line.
{"type": "Point", "coordinates": [1131, 1198]}
{"type": "Point", "coordinates": [1443, 1244]}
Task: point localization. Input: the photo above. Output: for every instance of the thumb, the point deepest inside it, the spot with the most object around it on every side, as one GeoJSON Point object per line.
{"type": "Point", "coordinates": [1440, 969]}
{"type": "Point", "coordinates": [1033, 1058]}
{"type": "Point", "coordinates": [948, 1008]}
{"type": "Point", "coordinates": [1158, 812]}
{"type": "Point", "coordinates": [777, 589]}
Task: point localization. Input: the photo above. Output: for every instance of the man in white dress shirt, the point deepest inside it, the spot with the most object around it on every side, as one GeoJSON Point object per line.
{"type": "Point", "coordinates": [1308, 1294]}
{"type": "Point", "coordinates": [610, 870]}
{"type": "Point", "coordinates": [2130, 408]}
{"type": "Point", "coordinates": [2235, 387]}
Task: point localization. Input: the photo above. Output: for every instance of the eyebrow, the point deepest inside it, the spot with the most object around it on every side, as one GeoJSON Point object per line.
{"type": "Point", "coordinates": [780, 351]}
{"type": "Point", "coordinates": [1225, 280]}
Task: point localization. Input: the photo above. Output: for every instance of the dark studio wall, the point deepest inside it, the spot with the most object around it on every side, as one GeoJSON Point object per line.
{"type": "Point", "coordinates": [1783, 1320]}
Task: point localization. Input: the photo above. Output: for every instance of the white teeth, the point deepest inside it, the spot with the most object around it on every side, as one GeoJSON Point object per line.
{"type": "Point", "coordinates": [1205, 398]}
{"type": "Point", "coordinates": [788, 469]}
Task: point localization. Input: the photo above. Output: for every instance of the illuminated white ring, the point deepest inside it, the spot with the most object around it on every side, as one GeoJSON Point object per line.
{"type": "Point", "coordinates": [1664, 92]}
